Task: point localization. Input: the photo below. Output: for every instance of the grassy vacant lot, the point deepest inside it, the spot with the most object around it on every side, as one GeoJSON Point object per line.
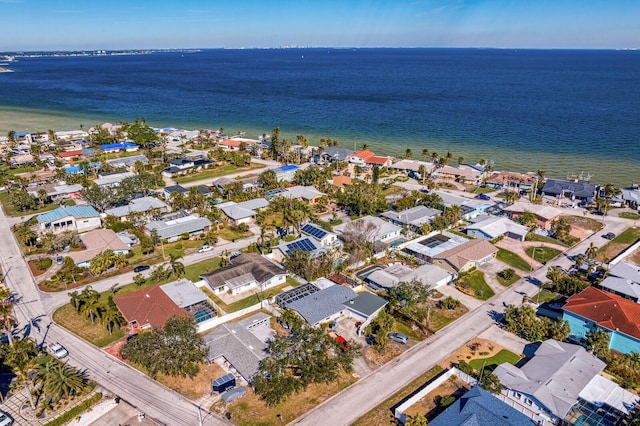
{"type": "Point", "coordinates": [192, 272]}
{"type": "Point", "coordinates": [492, 362]}
{"type": "Point", "coordinates": [440, 318]}
{"type": "Point", "coordinates": [584, 222]}
{"type": "Point", "coordinates": [542, 254]}
{"type": "Point", "coordinates": [11, 211]}
{"type": "Point", "coordinates": [229, 234]}
{"type": "Point", "coordinates": [618, 244]}
{"type": "Point", "coordinates": [544, 296]}
{"type": "Point", "coordinates": [97, 334]}
{"type": "Point", "coordinates": [250, 410]}
{"type": "Point", "coordinates": [512, 259]}
{"type": "Point", "coordinates": [382, 414]}
{"type": "Point", "coordinates": [392, 189]}
{"type": "Point", "coordinates": [629, 215]}
{"type": "Point", "coordinates": [540, 238]}
{"type": "Point", "coordinates": [401, 327]}
{"type": "Point", "coordinates": [475, 285]}
{"type": "Point", "coordinates": [227, 169]}
{"type": "Point", "coordinates": [482, 190]}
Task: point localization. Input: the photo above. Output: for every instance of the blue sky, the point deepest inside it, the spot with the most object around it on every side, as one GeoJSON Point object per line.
{"type": "Point", "coordinates": [119, 24]}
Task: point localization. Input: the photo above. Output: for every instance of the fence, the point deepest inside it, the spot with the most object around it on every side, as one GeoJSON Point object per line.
{"type": "Point", "coordinates": [214, 322]}
{"type": "Point", "coordinates": [399, 412]}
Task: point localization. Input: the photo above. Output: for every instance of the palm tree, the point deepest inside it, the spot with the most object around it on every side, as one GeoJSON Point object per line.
{"type": "Point", "coordinates": [591, 252]}
{"type": "Point", "coordinates": [7, 320]}
{"type": "Point", "coordinates": [177, 268]}
{"type": "Point", "coordinates": [60, 380]}
{"type": "Point", "coordinates": [90, 303]}
{"type": "Point", "coordinates": [408, 154]}
{"type": "Point", "coordinates": [111, 316]}
{"type": "Point", "coordinates": [75, 300]}
{"type": "Point", "coordinates": [21, 357]}
{"type": "Point", "coordinates": [425, 154]}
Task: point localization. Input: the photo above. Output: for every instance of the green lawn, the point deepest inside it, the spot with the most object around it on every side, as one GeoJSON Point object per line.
{"type": "Point", "coordinates": [96, 334]}
{"type": "Point", "coordinates": [492, 362]}
{"type": "Point", "coordinates": [227, 169]}
{"type": "Point", "coordinates": [26, 169]}
{"type": "Point", "coordinates": [475, 285]}
{"type": "Point", "coordinates": [401, 327]}
{"type": "Point", "coordinates": [392, 189]}
{"type": "Point", "coordinates": [544, 296]}
{"type": "Point", "coordinates": [542, 254]}
{"type": "Point", "coordinates": [193, 272]}
{"type": "Point", "coordinates": [482, 190]}
{"type": "Point", "coordinates": [254, 298]}
{"type": "Point", "coordinates": [629, 215]}
{"type": "Point", "coordinates": [507, 283]}
{"type": "Point", "coordinates": [540, 238]}
{"type": "Point", "coordinates": [11, 211]}
{"type": "Point", "coordinates": [440, 318]}
{"type": "Point", "coordinates": [513, 259]}
{"type": "Point", "coordinates": [230, 234]}
{"type": "Point", "coordinates": [629, 236]}
{"type": "Point", "coordinates": [461, 234]}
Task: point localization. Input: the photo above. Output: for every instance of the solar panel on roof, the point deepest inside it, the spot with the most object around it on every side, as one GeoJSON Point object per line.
{"type": "Point", "coordinates": [304, 245]}
{"type": "Point", "coordinates": [314, 231]}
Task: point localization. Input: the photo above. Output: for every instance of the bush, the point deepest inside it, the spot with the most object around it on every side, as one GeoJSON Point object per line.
{"type": "Point", "coordinates": [184, 235]}
{"type": "Point", "coordinates": [507, 274]}
{"type": "Point", "coordinates": [44, 264]}
{"type": "Point", "coordinates": [76, 411]}
{"type": "Point", "coordinates": [178, 246]}
{"type": "Point", "coordinates": [447, 400]}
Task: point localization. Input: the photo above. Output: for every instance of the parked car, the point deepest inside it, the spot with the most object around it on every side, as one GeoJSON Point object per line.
{"type": "Point", "coordinates": [483, 197]}
{"type": "Point", "coordinates": [5, 420]}
{"type": "Point", "coordinates": [399, 337]}
{"type": "Point", "coordinates": [205, 248]}
{"type": "Point", "coordinates": [140, 268]}
{"type": "Point", "coordinates": [609, 235]}
{"type": "Point", "coordinates": [59, 260]}
{"type": "Point", "coordinates": [235, 254]}
{"type": "Point", "coordinates": [58, 350]}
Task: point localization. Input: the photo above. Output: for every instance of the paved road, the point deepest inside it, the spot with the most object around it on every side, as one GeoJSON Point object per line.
{"type": "Point", "coordinates": [34, 307]}
{"type": "Point", "coordinates": [364, 395]}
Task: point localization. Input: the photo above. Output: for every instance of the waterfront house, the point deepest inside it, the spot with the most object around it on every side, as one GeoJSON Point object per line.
{"type": "Point", "coordinates": [247, 272]}
{"type": "Point", "coordinates": [545, 215]}
{"type": "Point", "coordinates": [379, 161]}
{"type": "Point", "coordinates": [332, 154]}
{"type": "Point", "coordinates": [360, 158]}
{"type": "Point", "coordinates": [595, 309]}
{"type": "Point", "coordinates": [463, 175]}
{"type": "Point", "coordinates": [69, 218]}
{"type": "Point", "coordinates": [558, 381]}
{"type": "Point", "coordinates": [408, 166]}
{"type": "Point", "coordinates": [138, 206]}
{"type": "Point", "coordinates": [71, 135]}
{"type": "Point", "coordinates": [573, 190]}
{"type": "Point", "coordinates": [119, 146]}
{"type": "Point", "coordinates": [175, 226]}
{"type": "Point", "coordinates": [492, 227]}
{"type": "Point", "coordinates": [512, 180]}
{"type": "Point", "coordinates": [235, 144]}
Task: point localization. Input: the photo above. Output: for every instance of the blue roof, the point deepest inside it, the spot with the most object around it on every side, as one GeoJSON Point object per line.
{"type": "Point", "coordinates": [123, 145]}
{"type": "Point", "coordinates": [75, 211]}
{"type": "Point", "coordinates": [88, 151]}
{"type": "Point", "coordinates": [72, 169]}
{"type": "Point", "coordinates": [479, 407]}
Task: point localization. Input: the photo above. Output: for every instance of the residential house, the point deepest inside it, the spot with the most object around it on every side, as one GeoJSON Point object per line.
{"type": "Point", "coordinates": [562, 188]}
{"type": "Point", "coordinates": [96, 242]}
{"type": "Point", "coordinates": [20, 160]}
{"type": "Point", "coordinates": [246, 272]}
{"type": "Point", "coordinates": [360, 158]}
{"type": "Point", "coordinates": [431, 276]}
{"type": "Point", "coordinates": [119, 146]}
{"type": "Point", "coordinates": [492, 227]}
{"type": "Point", "coordinates": [545, 215]}
{"type": "Point", "coordinates": [379, 161]}
{"type": "Point", "coordinates": [306, 193]}
{"type": "Point", "coordinates": [479, 407]}
{"type": "Point", "coordinates": [428, 247]}
{"type": "Point", "coordinates": [73, 154]}
{"type": "Point", "coordinates": [243, 212]}
{"type": "Point", "coordinates": [242, 344]}
{"type": "Point", "coordinates": [558, 378]}
{"type": "Point", "coordinates": [20, 150]}
{"type": "Point", "coordinates": [374, 227]}
{"type": "Point", "coordinates": [341, 181]}
{"type": "Point", "coordinates": [472, 254]}
{"type": "Point", "coordinates": [413, 218]}
{"type": "Point", "coordinates": [408, 166]}
{"type": "Point", "coordinates": [235, 144]}
{"type": "Point", "coordinates": [175, 226]}
{"type": "Point", "coordinates": [128, 162]}
{"type": "Point", "coordinates": [112, 179]}
{"type": "Point", "coordinates": [139, 206]}
{"type": "Point", "coordinates": [23, 138]}
{"type": "Point", "coordinates": [471, 207]}
{"type": "Point", "coordinates": [631, 197]}
{"type": "Point", "coordinates": [323, 306]}
{"type": "Point", "coordinates": [69, 218]}
{"type": "Point", "coordinates": [315, 240]}
{"type": "Point", "coordinates": [364, 308]}
{"type": "Point", "coordinates": [462, 175]}
{"type": "Point", "coordinates": [71, 135]}
{"type": "Point", "coordinates": [286, 173]}
{"type": "Point", "coordinates": [186, 295]}
{"type": "Point", "coordinates": [178, 166]}
{"type": "Point", "coordinates": [332, 154]}
{"type": "Point", "coordinates": [147, 308]}
{"type": "Point", "coordinates": [169, 190]}
{"type": "Point", "coordinates": [623, 279]}
{"type": "Point", "coordinates": [595, 309]}
{"type": "Point", "coordinates": [512, 180]}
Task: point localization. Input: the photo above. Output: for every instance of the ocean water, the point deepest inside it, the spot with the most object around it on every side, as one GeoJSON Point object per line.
{"type": "Point", "coordinates": [564, 111]}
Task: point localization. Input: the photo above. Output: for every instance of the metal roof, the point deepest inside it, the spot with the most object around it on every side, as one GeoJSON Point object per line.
{"type": "Point", "coordinates": [175, 227]}
{"type": "Point", "coordinates": [183, 293]}
{"type": "Point", "coordinates": [77, 212]}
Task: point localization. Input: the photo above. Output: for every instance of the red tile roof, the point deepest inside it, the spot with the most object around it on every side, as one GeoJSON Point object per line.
{"type": "Point", "coordinates": [607, 310]}
{"type": "Point", "coordinates": [378, 160]}
{"type": "Point", "coordinates": [149, 306]}
{"type": "Point", "coordinates": [75, 153]}
{"type": "Point", "coordinates": [363, 154]}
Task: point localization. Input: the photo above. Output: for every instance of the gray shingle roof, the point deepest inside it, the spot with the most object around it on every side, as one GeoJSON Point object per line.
{"type": "Point", "coordinates": [322, 304]}
{"type": "Point", "coordinates": [248, 266]}
{"type": "Point", "coordinates": [175, 227]}
{"type": "Point", "coordinates": [479, 407]}
{"type": "Point", "coordinates": [366, 303]}
{"type": "Point", "coordinates": [555, 376]}
{"type": "Point", "coordinates": [140, 205]}
{"type": "Point", "coordinates": [578, 189]}
{"type": "Point", "coordinates": [414, 216]}
{"type": "Point", "coordinates": [183, 293]}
